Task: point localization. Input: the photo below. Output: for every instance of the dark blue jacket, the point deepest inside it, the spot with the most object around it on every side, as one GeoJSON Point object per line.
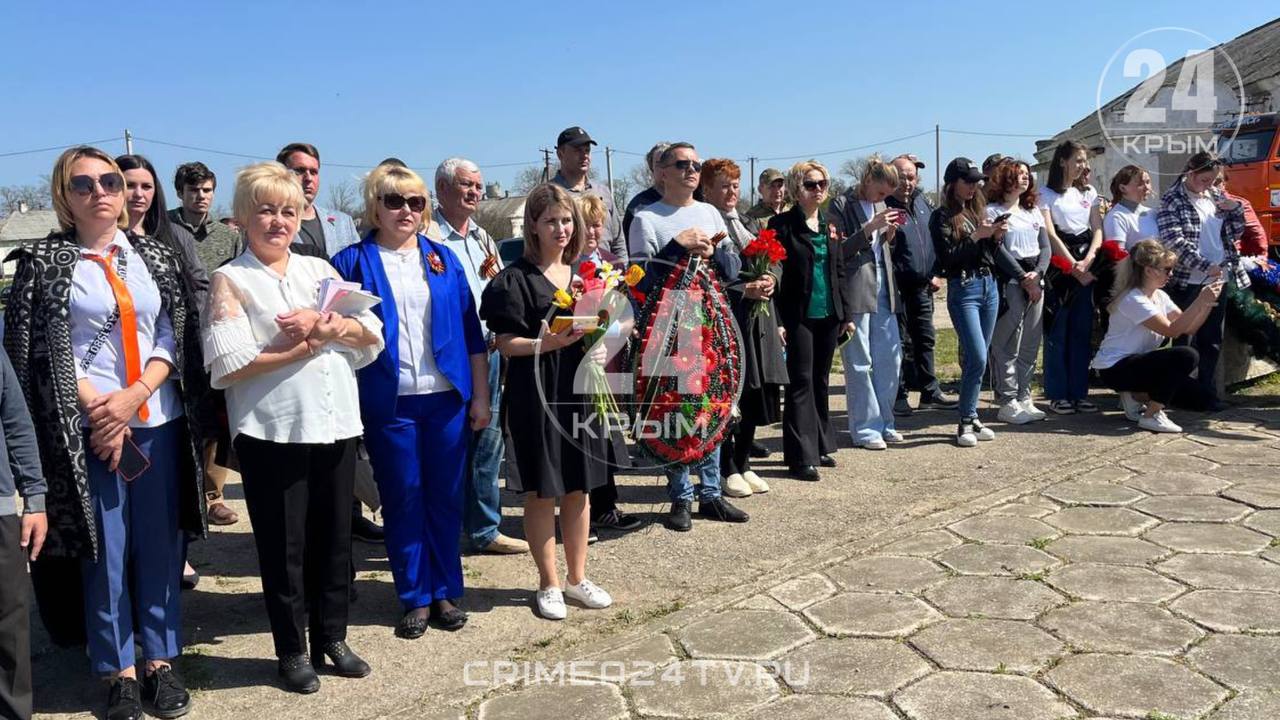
{"type": "Point", "coordinates": [455, 326]}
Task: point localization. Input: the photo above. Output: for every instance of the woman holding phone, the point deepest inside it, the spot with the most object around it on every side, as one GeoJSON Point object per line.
{"type": "Point", "coordinates": [101, 332]}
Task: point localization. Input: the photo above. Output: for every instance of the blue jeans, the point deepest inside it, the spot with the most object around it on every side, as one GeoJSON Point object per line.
{"type": "Point", "coordinates": [872, 361]}
{"type": "Point", "coordinates": [973, 304]}
{"type": "Point", "coordinates": [679, 486]}
{"type": "Point", "coordinates": [482, 504]}
{"type": "Point", "coordinates": [1067, 347]}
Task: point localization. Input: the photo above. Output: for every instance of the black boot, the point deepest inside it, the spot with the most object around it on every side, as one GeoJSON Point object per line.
{"type": "Point", "coordinates": [297, 673]}
{"type": "Point", "coordinates": [345, 662]}
{"type": "Point", "coordinates": [680, 518]}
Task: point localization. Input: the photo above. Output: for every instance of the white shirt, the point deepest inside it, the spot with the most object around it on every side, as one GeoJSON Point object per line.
{"type": "Point", "coordinates": [412, 295]}
{"type": "Point", "coordinates": [1210, 237]}
{"type": "Point", "coordinates": [92, 302]}
{"type": "Point", "coordinates": [1023, 237]}
{"type": "Point", "coordinates": [1069, 210]}
{"type": "Point", "coordinates": [312, 400]}
{"type": "Point", "coordinates": [1126, 335]}
{"type": "Point", "coordinates": [1129, 227]}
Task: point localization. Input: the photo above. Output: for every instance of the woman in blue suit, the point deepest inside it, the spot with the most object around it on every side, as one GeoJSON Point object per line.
{"type": "Point", "coordinates": [423, 396]}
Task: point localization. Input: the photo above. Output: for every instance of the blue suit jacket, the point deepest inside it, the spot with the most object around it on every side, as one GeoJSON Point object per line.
{"type": "Point", "coordinates": [455, 326]}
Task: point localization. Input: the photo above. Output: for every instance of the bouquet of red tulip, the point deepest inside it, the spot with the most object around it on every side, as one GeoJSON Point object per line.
{"type": "Point", "coordinates": [759, 254]}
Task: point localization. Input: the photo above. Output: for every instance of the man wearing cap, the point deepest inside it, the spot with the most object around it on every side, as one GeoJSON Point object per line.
{"type": "Point", "coordinates": [573, 149]}
{"type": "Point", "coordinates": [913, 259]}
{"type": "Point", "coordinates": [773, 191]}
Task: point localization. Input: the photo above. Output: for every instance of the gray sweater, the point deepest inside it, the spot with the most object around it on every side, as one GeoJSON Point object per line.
{"type": "Point", "coordinates": [18, 443]}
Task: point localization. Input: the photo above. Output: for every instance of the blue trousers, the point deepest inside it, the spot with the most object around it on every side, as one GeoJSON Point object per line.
{"type": "Point", "coordinates": [140, 556]}
{"type": "Point", "coordinates": [872, 361]}
{"type": "Point", "coordinates": [972, 304]}
{"type": "Point", "coordinates": [680, 484]}
{"type": "Point", "coordinates": [482, 509]}
{"type": "Point", "coordinates": [419, 459]}
{"type": "Point", "coordinates": [1067, 347]}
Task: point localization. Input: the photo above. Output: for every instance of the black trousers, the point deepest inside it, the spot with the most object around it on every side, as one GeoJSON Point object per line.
{"type": "Point", "coordinates": [735, 452]}
{"type": "Point", "coordinates": [806, 420]}
{"type": "Point", "coordinates": [15, 624]}
{"type": "Point", "coordinates": [1160, 373]}
{"type": "Point", "coordinates": [299, 500]}
{"type": "Point", "coordinates": [915, 327]}
{"type": "Point", "coordinates": [1207, 341]}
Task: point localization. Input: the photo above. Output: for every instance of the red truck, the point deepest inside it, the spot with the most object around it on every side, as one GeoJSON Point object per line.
{"type": "Point", "coordinates": [1253, 159]}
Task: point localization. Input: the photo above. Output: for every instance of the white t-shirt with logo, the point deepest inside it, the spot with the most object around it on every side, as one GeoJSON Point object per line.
{"type": "Point", "coordinates": [1023, 236]}
{"type": "Point", "coordinates": [1069, 210]}
{"type": "Point", "coordinates": [1128, 227]}
{"type": "Point", "coordinates": [1126, 335]}
{"type": "Point", "coordinates": [1210, 237]}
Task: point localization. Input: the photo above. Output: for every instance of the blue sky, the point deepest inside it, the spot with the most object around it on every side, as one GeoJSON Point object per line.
{"type": "Point", "coordinates": [495, 81]}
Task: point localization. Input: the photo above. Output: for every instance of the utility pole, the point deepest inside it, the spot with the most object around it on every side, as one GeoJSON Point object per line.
{"type": "Point", "coordinates": [753, 179]}
{"type": "Point", "coordinates": [608, 168]}
{"type": "Point", "coordinates": [546, 165]}
{"type": "Point", "coordinates": [128, 142]}
{"type": "Point", "coordinates": [937, 161]}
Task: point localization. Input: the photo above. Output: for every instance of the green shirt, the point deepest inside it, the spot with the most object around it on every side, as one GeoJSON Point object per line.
{"type": "Point", "coordinates": [820, 302]}
{"type": "Point", "coordinates": [215, 243]}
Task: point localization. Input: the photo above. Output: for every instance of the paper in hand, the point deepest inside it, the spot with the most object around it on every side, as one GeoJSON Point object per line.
{"type": "Point", "coordinates": [343, 297]}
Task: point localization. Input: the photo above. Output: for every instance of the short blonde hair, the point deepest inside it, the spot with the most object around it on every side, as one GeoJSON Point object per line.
{"type": "Point", "coordinates": [60, 185]}
{"type": "Point", "coordinates": [592, 208]}
{"type": "Point", "coordinates": [387, 179]}
{"type": "Point", "coordinates": [795, 176]}
{"type": "Point", "coordinates": [541, 199]}
{"type": "Point", "coordinates": [265, 182]}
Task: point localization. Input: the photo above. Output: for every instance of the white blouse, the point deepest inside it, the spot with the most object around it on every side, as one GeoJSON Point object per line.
{"type": "Point", "coordinates": [418, 373]}
{"type": "Point", "coordinates": [312, 400]}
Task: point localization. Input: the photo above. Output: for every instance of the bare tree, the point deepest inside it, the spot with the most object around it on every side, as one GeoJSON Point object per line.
{"type": "Point", "coordinates": [528, 179]}
{"type": "Point", "coordinates": [34, 197]}
{"type": "Point", "coordinates": [344, 196]}
{"type": "Point", "coordinates": [852, 169]}
{"type": "Point", "coordinates": [622, 192]}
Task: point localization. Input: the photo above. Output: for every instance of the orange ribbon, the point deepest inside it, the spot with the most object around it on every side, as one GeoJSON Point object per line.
{"type": "Point", "coordinates": [128, 324]}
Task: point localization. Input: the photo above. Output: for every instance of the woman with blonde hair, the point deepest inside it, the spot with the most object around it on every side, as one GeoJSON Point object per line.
{"type": "Point", "coordinates": [1130, 359]}
{"type": "Point", "coordinates": [558, 448]}
{"type": "Point", "coordinates": [101, 331]}
{"type": "Point", "coordinates": [289, 373]}
{"type": "Point", "coordinates": [423, 396]}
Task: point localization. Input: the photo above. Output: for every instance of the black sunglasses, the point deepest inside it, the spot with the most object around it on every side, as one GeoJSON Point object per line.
{"type": "Point", "coordinates": [395, 201]}
{"type": "Point", "coordinates": [111, 183]}
{"type": "Point", "coordinates": [815, 185]}
{"type": "Point", "coordinates": [686, 165]}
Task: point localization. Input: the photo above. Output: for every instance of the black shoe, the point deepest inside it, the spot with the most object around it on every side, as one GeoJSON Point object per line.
{"type": "Point", "coordinates": [938, 400]}
{"type": "Point", "coordinates": [412, 626]}
{"type": "Point", "coordinates": [124, 700]}
{"type": "Point", "coordinates": [366, 530]}
{"type": "Point", "coordinates": [345, 662]}
{"type": "Point", "coordinates": [451, 619]}
{"type": "Point", "coordinates": [297, 673]}
{"type": "Point", "coordinates": [827, 461]}
{"type": "Point", "coordinates": [617, 520]}
{"type": "Point", "coordinates": [902, 407]}
{"type": "Point", "coordinates": [593, 537]}
{"type": "Point", "coordinates": [758, 451]}
{"type": "Point", "coordinates": [808, 473]}
{"type": "Point", "coordinates": [164, 690]}
{"type": "Point", "coordinates": [680, 518]}
{"type": "Point", "coordinates": [720, 509]}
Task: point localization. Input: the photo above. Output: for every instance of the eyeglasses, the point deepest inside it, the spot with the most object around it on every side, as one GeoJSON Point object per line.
{"type": "Point", "coordinates": [111, 183]}
{"type": "Point", "coordinates": [815, 185]}
{"type": "Point", "coordinates": [395, 201]}
{"type": "Point", "coordinates": [686, 165]}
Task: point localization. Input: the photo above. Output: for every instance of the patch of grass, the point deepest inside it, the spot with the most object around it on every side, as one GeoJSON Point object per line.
{"type": "Point", "coordinates": [1001, 669]}
{"type": "Point", "coordinates": [1157, 715]}
{"type": "Point", "coordinates": [1275, 542]}
{"type": "Point", "coordinates": [1040, 543]}
{"type": "Point", "coordinates": [470, 573]}
{"type": "Point", "coordinates": [1036, 576]}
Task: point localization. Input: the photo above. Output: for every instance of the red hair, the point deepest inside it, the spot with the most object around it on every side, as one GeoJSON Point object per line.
{"type": "Point", "coordinates": [1004, 180]}
{"type": "Point", "coordinates": [715, 167]}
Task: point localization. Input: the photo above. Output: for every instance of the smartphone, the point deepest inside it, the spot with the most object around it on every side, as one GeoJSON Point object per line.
{"type": "Point", "coordinates": [132, 462]}
{"type": "Point", "coordinates": [1001, 218]}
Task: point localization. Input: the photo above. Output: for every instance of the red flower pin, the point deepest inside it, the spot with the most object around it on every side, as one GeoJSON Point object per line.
{"type": "Point", "coordinates": [437, 265]}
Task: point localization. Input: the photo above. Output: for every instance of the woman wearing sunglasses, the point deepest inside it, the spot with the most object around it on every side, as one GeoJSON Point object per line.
{"type": "Point", "coordinates": [289, 374]}
{"type": "Point", "coordinates": [815, 311]}
{"type": "Point", "coordinates": [100, 329]}
{"type": "Point", "coordinates": [422, 397]}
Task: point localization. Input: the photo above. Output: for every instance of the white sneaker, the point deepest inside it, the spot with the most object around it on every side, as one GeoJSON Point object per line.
{"type": "Point", "coordinates": [1131, 407]}
{"type": "Point", "coordinates": [735, 486]}
{"type": "Point", "coordinates": [551, 604]}
{"type": "Point", "coordinates": [757, 483]}
{"type": "Point", "coordinates": [1035, 413]}
{"type": "Point", "coordinates": [892, 436]}
{"type": "Point", "coordinates": [873, 444]}
{"type": "Point", "coordinates": [965, 436]}
{"type": "Point", "coordinates": [983, 432]}
{"type": "Point", "coordinates": [1012, 413]}
{"type": "Point", "coordinates": [1158, 423]}
{"type": "Point", "coordinates": [589, 594]}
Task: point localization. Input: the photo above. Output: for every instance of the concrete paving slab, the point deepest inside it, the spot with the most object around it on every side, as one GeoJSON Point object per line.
{"type": "Point", "coordinates": [871, 615]}
{"type": "Point", "coordinates": [1194, 508]}
{"type": "Point", "coordinates": [988, 646]}
{"type": "Point", "coordinates": [1102, 549]}
{"type": "Point", "coordinates": [1241, 662]}
{"type": "Point", "coordinates": [1225, 572]}
{"type": "Point", "coordinates": [1113, 627]}
{"type": "Point", "coordinates": [979, 696]}
{"type": "Point", "coordinates": [886, 573]}
{"type": "Point", "coordinates": [1118, 583]}
{"type": "Point", "coordinates": [703, 689]}
{"type": "Point", "coordinates": [854, 666]}
{"type": "Point", "coordinates": [744, 635]}
{"type": "Point", "coordinates": [993, 597]}
{"type": "Point", "coordinates": [1232, 611]}
{"type": "Point", "coordinates": [1101, 521]}
{"type": "Point", "coordinates": [1015, 560]}
{"type": "Point", "coordinates": [1135, 687]}
{"type": "Point", "coordinates": [1208, 538]}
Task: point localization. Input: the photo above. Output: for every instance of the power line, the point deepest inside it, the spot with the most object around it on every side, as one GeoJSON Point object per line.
{"type": "Point", "coordinates": [1038, 136]}
{"type": "Point", "coordinates": [848, 150]}
{"type": "Point", "coordinates": [197, 148]}
{"type": "Point", "coordinates": [51, 148]}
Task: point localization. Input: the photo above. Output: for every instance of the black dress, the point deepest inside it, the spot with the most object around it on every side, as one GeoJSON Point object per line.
{"type": "Point", "coordinates": [554, 443]}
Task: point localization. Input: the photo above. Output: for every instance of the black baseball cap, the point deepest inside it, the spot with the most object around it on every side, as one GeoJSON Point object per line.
{"type": "Point", "coordinates": [992, 160]}
{"type": "Point", "coordinates": [962, 168]}
{"type": "Point", "coordinates": [574, 136]}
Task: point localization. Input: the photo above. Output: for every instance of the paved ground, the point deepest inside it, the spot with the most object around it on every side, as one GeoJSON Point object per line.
{"type": "Point", "coordinates": [1049, 574]}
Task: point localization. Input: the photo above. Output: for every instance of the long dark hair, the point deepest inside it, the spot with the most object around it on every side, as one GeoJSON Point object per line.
{"type": "Point", "coordinates": [1057, 174]}
{"type": "Point", "coordinates": [156, 222]}
{"type": "Point", "coordinates": [971, 210]}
